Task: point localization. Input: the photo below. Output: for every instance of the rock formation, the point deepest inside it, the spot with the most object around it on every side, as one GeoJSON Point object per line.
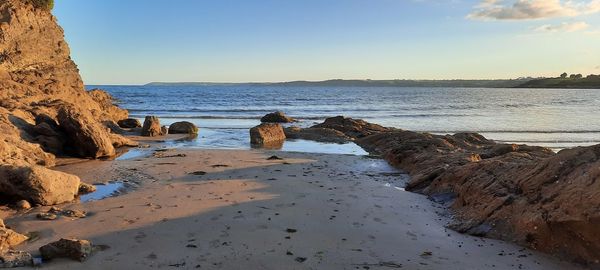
{"type": "Point", "coordinates": [38, 184]}
{"type": "Point", "coordinates": [267, 135]}
{"type": "Point", "coordinates": [44, 107]}
{"type": "Point", "coordinates": [326, 135]}
{"type": "Point", "coordinates": [277, 117]}
{"type": "Point", "coordinates": [525, 194]}
{"type": "Point", "coordinates": [74, 249]}
{"type": "Point", "coordinates": [130, 123]}
{"type": "Point", "coordinates": [183, 128]}
{"type": "Point", "coordinates": [152, 127]}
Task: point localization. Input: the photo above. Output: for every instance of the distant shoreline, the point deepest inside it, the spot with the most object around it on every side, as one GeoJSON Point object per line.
{"type": "Point", "coordinates": [590, 82]}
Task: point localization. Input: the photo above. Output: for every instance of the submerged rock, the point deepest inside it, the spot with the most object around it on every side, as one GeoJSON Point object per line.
{"type": "Point", "coordinates": [183, 128]}
{"type": "Point", "coordinates": [277, 117]}
{"type": "Point", "coordinates": [38, 184]}
{"type": "Point", "coordinates": [129, 123]}
{"type": "Point", "coordinates": [151, 127]}
{"type": "Point", "coordinates": [267, 134]}
{"type": "Point", "coordinates": [317, 134]}
{"type": "Point", "coordinates": [74, 249]}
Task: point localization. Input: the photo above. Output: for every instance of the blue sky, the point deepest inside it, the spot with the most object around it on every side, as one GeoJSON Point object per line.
{"type": "Point", "coordinates": [140, 41]}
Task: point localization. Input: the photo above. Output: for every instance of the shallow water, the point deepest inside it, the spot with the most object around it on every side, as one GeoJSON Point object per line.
{"type": "Point", "coordinates": [104, 191]}
{"type": "Point", "coordinates": [556, 118]}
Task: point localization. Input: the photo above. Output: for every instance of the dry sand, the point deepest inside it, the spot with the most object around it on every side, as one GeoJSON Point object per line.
{"type": "Point", "coordinates": [307, 211]}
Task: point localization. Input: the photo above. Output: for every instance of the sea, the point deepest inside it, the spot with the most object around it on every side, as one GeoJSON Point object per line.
{"type": "Point", "coordinates": [554, 118]}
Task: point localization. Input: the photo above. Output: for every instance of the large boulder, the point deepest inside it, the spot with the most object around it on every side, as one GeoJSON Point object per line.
{"type": "Point", "coordinates": [38, 184]}
{"type": "Point", "coordinates": [183, 128]}
{"type": "Point", "coordinates": [266, 134]}
{"type": "Point", "coordinates": [151, 127]}
{"type": "Point", "coordinates": [129, 123]}
{"type": "Point", "coordinates": [74, 249]}
{"type": "Point", "coordinates": [277, 117]}
{"type": "Point", "coordinates": [87, 137]}
{"type": "Point", "coordinates": [326, 135]}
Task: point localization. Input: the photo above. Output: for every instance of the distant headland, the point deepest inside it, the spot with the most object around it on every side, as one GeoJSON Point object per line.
{"type": "Point", "coordinates": [564, 81]}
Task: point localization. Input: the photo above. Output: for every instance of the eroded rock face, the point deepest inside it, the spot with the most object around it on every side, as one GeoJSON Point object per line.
{"type": "Point", "coordinates": [38, 184]}
{"type": "Point", "coordinates": [267, 134]}
{"type": "Point", "coordinates": [88, 138]}
{"type": "Point", "coordinates": [37, 78]}
{"type": "Point", "coordinates": [525, 194]}
{"type": "Point", "coordinates": [277, 117]}
{"type": "Point", "coordinates": [74, 249]}
{"type": "Point", "coordinates": [327, 135]}
{"type": "Point", "coordinates": [183, 128]}
{"type": "Point", "coordinates": [151, 127]}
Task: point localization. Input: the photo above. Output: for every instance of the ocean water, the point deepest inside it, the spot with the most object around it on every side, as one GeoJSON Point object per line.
{"type": "Point", "coordinates": [555, 118]}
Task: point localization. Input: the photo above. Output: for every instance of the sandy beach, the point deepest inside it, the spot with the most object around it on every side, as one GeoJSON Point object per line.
{"type": "Point", "coordinates": [236, 209]}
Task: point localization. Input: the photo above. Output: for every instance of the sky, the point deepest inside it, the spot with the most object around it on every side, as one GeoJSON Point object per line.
{"type": "Point", "coordinates": [141, 41]}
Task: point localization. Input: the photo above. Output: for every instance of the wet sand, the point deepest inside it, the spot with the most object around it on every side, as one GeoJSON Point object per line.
{"type": "Point", "coordinates": [235, 209]}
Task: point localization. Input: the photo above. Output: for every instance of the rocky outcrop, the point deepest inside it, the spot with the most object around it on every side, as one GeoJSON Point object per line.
{"type": "Point", "coordinates": [74, 249]}
{"type": "Point", "coordinates": [152, 127]}
{"type": "Point", "coordinates": [525, 194]}
{"type": "Point", "coordinates": [88, 137]}
{"type": "Point", "coordinates": [277, 117]}
{"type": "Point", "coordinates": [38, 184]}
{"type": "Point", "coordinates": [267, 134]}
{"type": "Point", "coordinates": [353, 128]}
{"type": "Point", "coordinates": [129, 123]}
{"type": "Point", "coordinates": [326, 135]}
{"type": "Point", "coordinates": [183, 128]}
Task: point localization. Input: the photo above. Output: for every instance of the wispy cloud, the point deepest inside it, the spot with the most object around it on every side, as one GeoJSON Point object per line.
{"type": "Point", "coordinates": [563, 27]}
{"type": "Point", "coordinates": [532, 9]}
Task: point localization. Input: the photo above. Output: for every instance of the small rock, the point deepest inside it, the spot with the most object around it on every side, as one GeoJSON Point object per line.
{"type": "Point", "coordinates": [78, 250]}
{"type": "Point", "coordinates": [10, 238]}
{"type": "Point", "coordinates": [14, 258]}
{"type": "Point", "coordinates": [23, 205]}
{"type": "Point", "coordinates": [85, 188]}
{"type": "Point", "coordinates": [274, 158]}
{"type": "Point", "coordinates": [46, 216]}
{"type": "Point", "coordinates": [300, 259]}
{"type": "Point", "coordinates": [74, 213]}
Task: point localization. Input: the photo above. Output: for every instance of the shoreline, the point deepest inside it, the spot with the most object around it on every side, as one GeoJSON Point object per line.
{"type": "Point", "coordinates": [237, 216]}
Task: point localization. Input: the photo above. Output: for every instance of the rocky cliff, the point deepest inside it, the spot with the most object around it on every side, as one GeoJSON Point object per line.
{"type": "Point", "coordinates": [44, 109]}
{"type": "Point", "coordinates": [525, 194]}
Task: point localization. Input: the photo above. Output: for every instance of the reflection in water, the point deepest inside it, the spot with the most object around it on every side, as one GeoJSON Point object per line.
{"type": "Point", "coordinates": [104, 191]}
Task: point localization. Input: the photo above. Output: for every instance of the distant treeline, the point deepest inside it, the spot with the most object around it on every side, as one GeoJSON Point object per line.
{"type": "Point", "coordinates": [564, 81]}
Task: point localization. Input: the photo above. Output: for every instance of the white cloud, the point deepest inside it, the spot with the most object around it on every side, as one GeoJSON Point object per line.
{"type": "Point", "coordinates": [563, 27]}
{"type": "Point", "coordinates": [532, 9]}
